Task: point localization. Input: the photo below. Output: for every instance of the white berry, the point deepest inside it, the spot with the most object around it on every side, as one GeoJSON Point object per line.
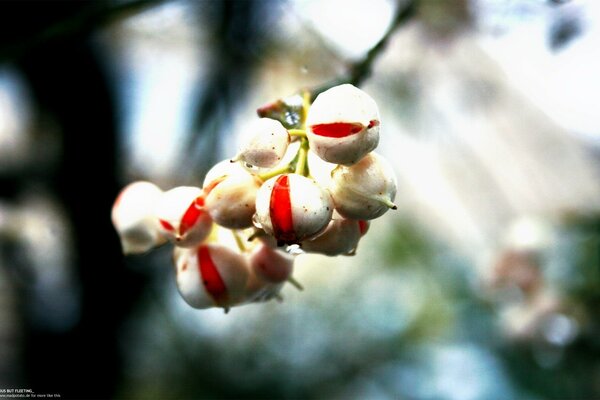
{"type": "Point", "coordinates": [231, 199]}
{"type": "Point", "coordinates": [292, 208]}
{"type": "Point", "coordinates": [267, 143]}
{"type": "Point", "coordinates": [182, 216]}
{"type": "Point", "coordinates": [133, 217]}
{"type": "Point", "coordinates": [365, 190]}
{"type": "Point", "coordinates": [343, 125]}
{"type": "Point", "coordinates": [211, 275]}
{"type": "Point", "coordinates": [340, 237]}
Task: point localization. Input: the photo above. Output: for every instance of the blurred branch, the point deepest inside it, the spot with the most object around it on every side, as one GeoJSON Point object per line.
{"type": "Point", "coordinates": [89, 18]}
{"type": "Point", "coordinates": [239, 32]}
{"type": "Point", "coordinates": [360, 70]}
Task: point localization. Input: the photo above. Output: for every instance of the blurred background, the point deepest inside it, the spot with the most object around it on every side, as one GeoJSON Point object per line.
{"type": "Point", "coordinates": [485, 284]}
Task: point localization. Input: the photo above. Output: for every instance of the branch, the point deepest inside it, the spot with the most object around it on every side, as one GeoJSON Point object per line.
{"type": "Point", "coordinates": [361, 69]}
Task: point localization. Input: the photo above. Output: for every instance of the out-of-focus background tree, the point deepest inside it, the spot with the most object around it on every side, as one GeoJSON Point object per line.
{"type": "Point", "coordinates": [485, 284]}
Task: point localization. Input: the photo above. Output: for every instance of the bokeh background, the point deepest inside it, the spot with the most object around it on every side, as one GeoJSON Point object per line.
{"type": "Point", "coordinates": [485, 284]}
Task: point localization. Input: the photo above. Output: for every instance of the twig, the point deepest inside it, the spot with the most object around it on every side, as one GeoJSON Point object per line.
{"type": "Point", "coordinates": [361, 69]}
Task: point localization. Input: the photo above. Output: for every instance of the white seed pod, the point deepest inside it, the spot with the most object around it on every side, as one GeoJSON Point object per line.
{"type": "Point", "coordinates": [340, 237]}
{"type": "Point", "coordinates": [320, 170]}
{"type": "Point", "coordinates": [211, 275]}
{"type": "Point", "coordinates": [231, 199]}
{"type": "Point", "coordinates": [343, 125]}
{"type": "Point", "coordinates": [292, 208]}
{"type": "Point", "coordinates": [365, 190]}
{"type": "Point", "coordinates": [133, 218]}
{"type": "Point", "coordinates": [221, 169]}
{"type": "Point", "coordinates": [267, 141]}
{"type": "Point", "coordinates": [182, 216]}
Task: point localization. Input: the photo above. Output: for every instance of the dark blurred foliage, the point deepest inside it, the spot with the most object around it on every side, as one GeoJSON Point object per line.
{"type": "Point", "coordinates": [68, 85]}
{"type": "Point", "coordinates": [51, 44]}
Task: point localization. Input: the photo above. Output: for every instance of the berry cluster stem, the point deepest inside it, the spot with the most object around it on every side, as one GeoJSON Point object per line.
{"type": "Point", "coordinates": [239, 241]}
{"type": "Point", "coordinates": [297, 132]}
{"type": "Point", "coordinates": [302, 165]}
{"type": "Point", "coordinates": [276, 171]}
{"type": "Point", "coordinates": [295, 283]}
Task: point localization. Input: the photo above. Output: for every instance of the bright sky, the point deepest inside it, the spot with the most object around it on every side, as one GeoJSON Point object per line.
{"type": "Point", "coordinates": [566, 83]}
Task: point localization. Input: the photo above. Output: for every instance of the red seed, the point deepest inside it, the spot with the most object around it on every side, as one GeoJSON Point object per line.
{"type": "Point", "coordinates": [210, 275]}
{"type": "Point", "coordinates": [337, 129]}
{"type": "Point", "coordinates": [166, 225]}
{"type": "Point", "coordinates": [191, 215]}
{"type": "Point", "coordinates": [280, 210]}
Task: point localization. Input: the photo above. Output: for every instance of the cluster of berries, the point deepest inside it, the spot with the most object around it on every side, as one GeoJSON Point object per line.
{"type": "Point", "coordinates": [310, 185]}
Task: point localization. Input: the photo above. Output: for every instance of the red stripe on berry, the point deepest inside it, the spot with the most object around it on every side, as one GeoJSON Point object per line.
{"type": "Point", "coordinates": [166, 225]}
{"type": "Point", "coordinates": [280, 210]}
{"type": "Point", "coordinates": [210, 275]}
{"type": "Point", "coordinates": [337, 129]}
{"type": "Point", "coordinates": [189, 219]}
{"type": "Point", "coordinates": [213, 184]}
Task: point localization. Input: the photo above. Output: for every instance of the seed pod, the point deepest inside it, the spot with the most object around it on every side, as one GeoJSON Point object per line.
{"type": "Point", "coordinates": [268, 140]}
{"type": "Point", "coordinates": [292, 208]}
{"type": "Point", "coordinates": [340, 237]}
{"type": "Point", "coordinates": [219, 170]}
{"type": "Point", "coordinates": [133, 218]}
{"type": "Point", "coordinates": [231, 199]}
{"type": "Point", "coordinates": [365, 190]}
{"type": "Point", "coordinates": [320, 170]}
{"type": "Point", "coordinates": [211, 275]}
{"type": "Point", "coordinates": [343, 125]}
{"type": "Point", "coordinates": [182, 216]}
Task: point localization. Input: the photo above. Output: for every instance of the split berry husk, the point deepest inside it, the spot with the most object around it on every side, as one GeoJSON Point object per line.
{"type": "Point", "coordinates": [230, 199]}
{"type": "Point", "coordinates": [365, 190]}
{"type": "Point", "coordinates": [343, 125]}
{"type": "Point", "coordinates": [182, 216]}
{"type": "Point", "coordinates": [292, 208]}
{"type": "Point", "coordinates": [211, 275]}
{"type": "Point", "coordinates": [268, 141]}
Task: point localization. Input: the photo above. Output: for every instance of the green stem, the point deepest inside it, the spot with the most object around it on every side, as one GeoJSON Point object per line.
{"type": "Point", "coordinates": [302, 165]}
{"type": "Point", "coordinates": [360, 70]}
{"type": "Point", "coordinates": [239, 241]}
{"type": "Point", "coordinates": [306, 100]}
{"type": "Point", "coordinates": [295, 283]}
{"type": "Point", "coordinates": [274, 172]}
{"type": "Point", "coordinates": [297, 132]}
